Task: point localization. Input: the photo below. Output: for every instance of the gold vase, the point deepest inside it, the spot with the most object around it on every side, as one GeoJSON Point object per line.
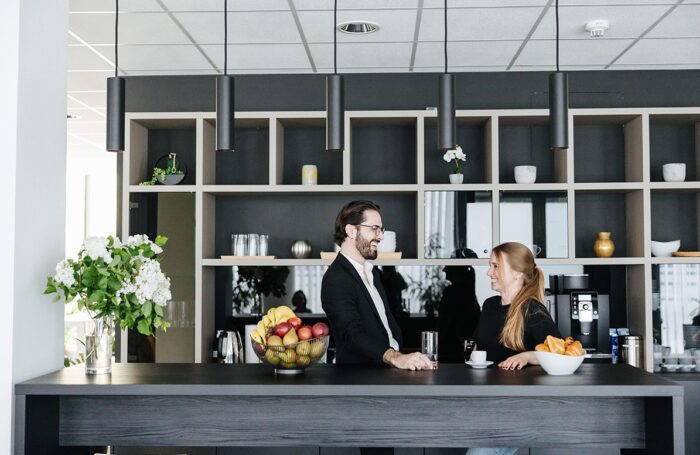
{"type": "Point", "coordinates": [603, 247]}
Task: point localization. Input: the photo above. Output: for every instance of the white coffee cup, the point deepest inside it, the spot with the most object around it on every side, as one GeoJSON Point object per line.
{"type": "Point", "coordinates": [525, 174]}
{"type": "Point", "coordinates": [478, 357]}
{"type": "Point", "coordinates": [674, 172]}
{"type": "Point", "coordinates": [388, 243]}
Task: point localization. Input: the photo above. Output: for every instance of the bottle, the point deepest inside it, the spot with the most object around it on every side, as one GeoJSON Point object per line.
{"type": "Point", "coordinates": [614, 346]}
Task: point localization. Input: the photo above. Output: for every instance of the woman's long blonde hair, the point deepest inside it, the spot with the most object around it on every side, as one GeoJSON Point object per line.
{"type": "Point", "coordinates": [520, 259]}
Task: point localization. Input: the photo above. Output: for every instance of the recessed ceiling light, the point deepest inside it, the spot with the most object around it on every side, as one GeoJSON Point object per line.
{"type": "Point", "coordinates": [597, 28]}
{"type": "Point", "coordinates": [358, 27]}
{"type": "Point", "coordinates": [72, 116]}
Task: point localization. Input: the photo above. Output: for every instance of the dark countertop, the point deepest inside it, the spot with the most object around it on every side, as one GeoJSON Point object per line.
{"type": "Point", "coordinates": [450, 380]}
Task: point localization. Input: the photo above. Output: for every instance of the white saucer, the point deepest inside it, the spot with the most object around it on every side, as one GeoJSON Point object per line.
{"type": "Point", "coordinates": [478, 365]}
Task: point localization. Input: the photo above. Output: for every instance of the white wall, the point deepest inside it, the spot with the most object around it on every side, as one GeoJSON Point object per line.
{"type": "Point", "coordinates": [32, 191]}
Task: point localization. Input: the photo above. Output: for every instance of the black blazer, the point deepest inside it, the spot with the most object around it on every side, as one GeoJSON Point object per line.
{"type": "Point", "coordinates": [359, 334]}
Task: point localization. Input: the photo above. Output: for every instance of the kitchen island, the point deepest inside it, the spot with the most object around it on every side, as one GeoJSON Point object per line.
{"type": "Point", "coordinates": [218, 405]}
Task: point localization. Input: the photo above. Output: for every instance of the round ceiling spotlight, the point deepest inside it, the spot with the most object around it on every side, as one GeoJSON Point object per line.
{"type": "Point", "coordinates": [358, 27]}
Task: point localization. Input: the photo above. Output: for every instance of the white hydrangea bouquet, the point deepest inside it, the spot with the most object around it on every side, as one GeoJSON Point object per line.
{"type": "Point", "coordinates": [456, 154]}
{"type": "Point", "coordinates": [115, 279]}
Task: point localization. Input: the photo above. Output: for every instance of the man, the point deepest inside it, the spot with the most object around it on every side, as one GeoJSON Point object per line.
{"type": "Point", "coordinates": [354, 300]}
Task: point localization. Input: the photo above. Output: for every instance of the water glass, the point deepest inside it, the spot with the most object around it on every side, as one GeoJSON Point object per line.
{"type": "Point", "coordinates": [429, 346]}
{"type": "Point", "coordinates": [262, 245]}
{"type": "Point", "coordinates": [468, 348]}
{"type": "Point", "coordinates": [240, 244]}
{"type": "Point", "coordinates": [253, 244]}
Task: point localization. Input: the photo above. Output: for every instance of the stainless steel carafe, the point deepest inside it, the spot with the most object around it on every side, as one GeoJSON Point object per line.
{"type": "Point", "coordinates": [631, 350]}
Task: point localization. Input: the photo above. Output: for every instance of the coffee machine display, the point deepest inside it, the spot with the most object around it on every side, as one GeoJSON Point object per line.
{"type": "Point", "coordinates": [580, 312]}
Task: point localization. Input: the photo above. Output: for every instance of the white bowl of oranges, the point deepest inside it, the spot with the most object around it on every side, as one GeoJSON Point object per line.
{"type": "Point", "coordinates": [560, 357]}
{"type": "Point", "coordinates": [283, 342]}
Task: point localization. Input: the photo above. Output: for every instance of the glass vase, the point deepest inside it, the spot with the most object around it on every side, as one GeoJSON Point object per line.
{"type": "Point", "coordinates": [99, 336]}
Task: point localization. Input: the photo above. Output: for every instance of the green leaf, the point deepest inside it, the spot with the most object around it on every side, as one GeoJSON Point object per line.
{"type": "Point", "coordinates": [103, 282]}
{"type": "Point", "coordinates": [147, 308]}
{"type": "Point", "coordinates": [158, 309]}
{"type": "Point", "coordinates": [144, 327]}
{"type": "Point", "coordinates": [50, 289]}
{"type": "Point", "coordinates": [161, 240]}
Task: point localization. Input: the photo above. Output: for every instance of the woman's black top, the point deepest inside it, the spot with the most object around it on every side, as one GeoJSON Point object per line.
{"type": "Point", "coordinates": [538, 324]}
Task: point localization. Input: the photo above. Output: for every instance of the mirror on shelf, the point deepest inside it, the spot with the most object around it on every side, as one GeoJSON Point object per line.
{"type": "Point", "coordinates": [457, 224]}
{"type": "Point", "coordinates": [537, 219]}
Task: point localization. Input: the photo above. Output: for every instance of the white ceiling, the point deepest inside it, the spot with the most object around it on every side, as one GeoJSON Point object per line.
{"type": "Point", "coordinates": [296, 36]}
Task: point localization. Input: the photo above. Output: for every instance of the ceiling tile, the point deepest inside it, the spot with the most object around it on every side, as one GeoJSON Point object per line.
{"type": "Point", "coordinates": [365, 55]}
{"type": "Point", "coordinates": [625, 21]}
{"type": "Point", "coordinates": [574, 52]}
{"type": "Point", "coordinates": [218, 6]}
{"type": "Point", "coordinates": [353, 5]}
{"type": "Point", "coordinates": [663, 51]}
{"type": "Point", "coordinates": [181, 58]}
{"type": "Point", "coordinates": [479, 24]}
{"type": "Point", "coordinates": [260, 56]}
{"type": "Point", "coordinates": [82, 58]}
{"type": "Point", "coordinates": [136, 28]}
{"type": "Point", "coordinates": [125, 6]}
{"type": "Point", "coordinates": [393, 26]}
{"type": "Point", "coordinates": [682, 22]}
{"type": "Point", "coordinates": [87, 81]}
{"type": "Point", "coordinates": [467, 55]}
{"type": "Point", "coordinates": [97, 100]}
{"type": "Point", "coordinates": [243, 27]}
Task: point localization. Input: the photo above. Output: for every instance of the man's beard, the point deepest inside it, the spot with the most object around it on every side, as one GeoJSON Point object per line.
{"type": "Point", "coordinates": [365, 248]}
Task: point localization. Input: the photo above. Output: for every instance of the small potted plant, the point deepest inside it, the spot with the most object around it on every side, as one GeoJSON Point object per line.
{"type": "Point", "coordinates": [456, 154]}
{"type": "Point", "coordinates": [170, 175]}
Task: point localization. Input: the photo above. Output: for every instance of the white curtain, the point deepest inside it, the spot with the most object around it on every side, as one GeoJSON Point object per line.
{"type": "Point", "coordinates": [308, 279]}
{"type": "Point", "coordinates": [440, 220]}
{"type": "Point", "coordinates": [679, 289]}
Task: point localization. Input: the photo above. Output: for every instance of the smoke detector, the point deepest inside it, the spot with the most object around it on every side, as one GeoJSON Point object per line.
{"type": "Point", "coordinates": [597, 28]}
{"type": "Point", "coordinates": [358, 27]}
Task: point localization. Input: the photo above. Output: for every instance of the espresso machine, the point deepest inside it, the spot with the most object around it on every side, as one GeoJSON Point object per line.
{"type": "Point", "coordinates": [579, 311]}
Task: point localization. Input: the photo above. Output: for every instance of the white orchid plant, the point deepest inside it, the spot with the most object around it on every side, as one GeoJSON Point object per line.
{"type": "Point", "coordinates": [456, 154]}
{"type": "Point", "coordinates": [111, 278]}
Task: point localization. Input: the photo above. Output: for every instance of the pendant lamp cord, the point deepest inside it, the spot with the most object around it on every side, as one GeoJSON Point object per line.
{"type": "Point", "coordinates": [556, 12]}
{"type": "Point", "coordinates": [116, 37]}
{"type": "Point", "coordinates": [225, 36]}
{"type": "Point", "coordinates": [445, 10]}
{"type": "Point", "coordinates": [335, 37]}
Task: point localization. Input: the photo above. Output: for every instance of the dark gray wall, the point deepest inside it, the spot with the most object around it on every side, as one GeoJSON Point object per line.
{"type": "Point", "coordinates": [416, 91]}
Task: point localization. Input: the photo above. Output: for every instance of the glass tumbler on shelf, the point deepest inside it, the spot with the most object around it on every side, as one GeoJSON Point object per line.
{"type": "Point", "coordinates": [239, 244]}
{"type": "Point", "coordinates": [429, 346]}
{"type": "Point", "coordinates": [253, 244]}
{"type": "Point", "coordinates": [262, 246]}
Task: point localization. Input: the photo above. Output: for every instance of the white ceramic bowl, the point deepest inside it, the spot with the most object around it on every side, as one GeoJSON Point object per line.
{"type": "Point", "coordinates": [525, 174]}
{"type": "Point", "coordinates": [664, 249]}
{"type": "Point", "coordinates": [558, 364]}
{"type": "Point", "coordinates": [674, 172]}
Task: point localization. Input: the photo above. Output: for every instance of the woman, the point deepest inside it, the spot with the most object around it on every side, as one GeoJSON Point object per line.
{"type": "Point", "coordinates": [514, 322]}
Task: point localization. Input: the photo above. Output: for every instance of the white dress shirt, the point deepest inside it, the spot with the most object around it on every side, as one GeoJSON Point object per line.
{"type": "Point", "coordinates": [367, 278]}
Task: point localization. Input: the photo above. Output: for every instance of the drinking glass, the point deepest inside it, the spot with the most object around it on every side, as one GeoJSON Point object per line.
{"type": "Point", "coordinates": [468, 348]}
{"type": "Point", "coordinates": [429, 346]}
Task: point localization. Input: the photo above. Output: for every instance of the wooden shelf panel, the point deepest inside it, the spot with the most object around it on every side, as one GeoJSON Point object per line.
{"type": "Point", "coordinates": [209, 262]}
{"type": "Point", "coordinates": [162, 188]}
{"type": "Point", "coordinates": [676, 260]}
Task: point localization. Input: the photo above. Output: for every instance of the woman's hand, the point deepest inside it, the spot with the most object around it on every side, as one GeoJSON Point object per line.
{"type": "Point", "coordinates": [517, 361]}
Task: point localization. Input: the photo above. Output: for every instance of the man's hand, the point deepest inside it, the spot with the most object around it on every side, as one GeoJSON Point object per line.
{"type": "Point", "coordinates": [517, 361]}
{"type": "Point", "coordinates": [413, 361]}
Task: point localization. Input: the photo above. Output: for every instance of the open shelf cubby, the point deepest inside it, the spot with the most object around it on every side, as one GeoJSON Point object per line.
{"type": "Point", "coordinates": [674, 216]}
{"type": "Point", "coordinates": [608, 148]}
{"type": "Point", "coordinates": [618, 212]}
{"type": "Point", "coordinates": [674, 139]}
{"type": "Point", "coordinates": [524, 141]}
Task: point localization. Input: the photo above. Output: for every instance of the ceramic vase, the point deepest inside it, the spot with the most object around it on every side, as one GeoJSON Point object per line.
{"type": "Point", "coordinates": [456, 179]}
{"type": "Point", "coordinates": [603, 247]}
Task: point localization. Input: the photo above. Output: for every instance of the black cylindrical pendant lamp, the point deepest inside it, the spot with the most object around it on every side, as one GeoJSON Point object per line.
{"type": "Point", "coordinates": [115, 114]}
{"type": "Point", "coordinates": [558, 111]}
{"type": "Point", "coordinates": [335, 113]}
{"type": "Point", "coordinates": [225, 113]}
{"type": "Point", "coordinates": [447, 125]}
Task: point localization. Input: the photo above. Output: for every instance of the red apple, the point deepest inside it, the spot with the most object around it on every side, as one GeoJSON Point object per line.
{"type": "Point", "coordinates": [296, 322]}
{"type": "Point", "coordinates": [305, 333]}
{"type": "Point", "coordinates": [282, 329]}
{"type": "Point", "coordinates": [319, 330]}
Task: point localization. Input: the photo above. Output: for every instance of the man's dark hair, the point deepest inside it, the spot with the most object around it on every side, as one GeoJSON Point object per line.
{"type": "Point", "coordinates": [352, 213]}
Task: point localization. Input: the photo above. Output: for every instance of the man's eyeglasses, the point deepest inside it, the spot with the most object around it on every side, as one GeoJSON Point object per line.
{"type": "Point", "coordinates": [377, 229]}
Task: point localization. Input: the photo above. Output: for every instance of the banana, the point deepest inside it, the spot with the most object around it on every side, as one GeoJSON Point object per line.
{"type": "Point", "coordinates": [283, 313]}
{"type": "Point", "coordinates": [257, 338]}
{"type": "Point", "coordinates": [271, 316]}
{"type": "Point", "coordinates": [266, 320]}
{"type": "Point", "coordinates": [262, 330]}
